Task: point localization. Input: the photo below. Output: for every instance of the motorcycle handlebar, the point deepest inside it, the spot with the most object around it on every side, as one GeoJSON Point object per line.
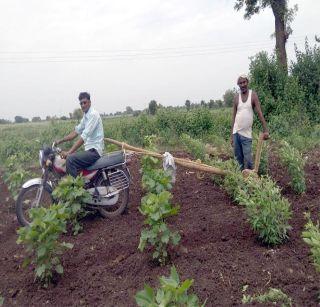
{"type": "Point", "coordinates": [55, 148]}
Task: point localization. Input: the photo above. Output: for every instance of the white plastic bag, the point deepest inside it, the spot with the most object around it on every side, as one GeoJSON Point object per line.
{"type": "Point", "coordinates": [169, 165]}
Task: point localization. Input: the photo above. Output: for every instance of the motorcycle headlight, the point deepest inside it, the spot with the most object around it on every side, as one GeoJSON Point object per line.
{"type": "Point", "coordinates": [41, 158]}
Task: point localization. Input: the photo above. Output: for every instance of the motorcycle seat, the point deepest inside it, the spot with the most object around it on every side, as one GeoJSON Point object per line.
{"type": "Point", "coordinates": [112, 158]}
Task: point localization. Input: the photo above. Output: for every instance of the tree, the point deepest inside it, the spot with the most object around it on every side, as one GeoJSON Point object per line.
{"type": "Point", "coordinates": [77, 114]}
{"type": "Point", "coordinates": [19, 119]}
{"type": "Point", "coordinates": [36, 119]}
{"type": "Point", "coordinates": [4, 121]}
{"type": "Point", "coordinates": [153, 107]}
{"type": "Point", "coordinates": [229, 96]}
{"type": "Point", "coordinates": [203, 103]}
{"type": "Point", "coordinates": [283, 16]}
{"type": "Point", "coordinates": [211, 104]}
{"type": "Point", "coordinates": [136, 112]}
{"type": "Point", "coordinates": [129, 110]}
{"type": "Point", "coordinates": [219, 103]}
{"type": "Point", "coordinates": [188, 104]}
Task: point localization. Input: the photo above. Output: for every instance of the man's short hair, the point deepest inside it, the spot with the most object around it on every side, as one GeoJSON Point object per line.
{"type": "Point", "coordinates": [84, 95]}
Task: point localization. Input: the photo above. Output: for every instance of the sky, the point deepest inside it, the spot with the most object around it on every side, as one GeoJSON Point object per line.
{"type": "Point", "coordinates": [127, 53]}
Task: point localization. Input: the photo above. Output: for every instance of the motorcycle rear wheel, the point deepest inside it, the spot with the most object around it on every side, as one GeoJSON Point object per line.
{"type": "Point", "coordinates": [27, 199]}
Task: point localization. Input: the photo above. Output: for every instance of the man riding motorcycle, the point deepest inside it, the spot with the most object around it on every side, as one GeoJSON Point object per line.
{"type": "Point", "coordinates": [91, 134]}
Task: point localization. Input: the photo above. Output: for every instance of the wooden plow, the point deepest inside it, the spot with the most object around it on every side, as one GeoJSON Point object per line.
{"type": "Point", "coordinates": [200, 167]}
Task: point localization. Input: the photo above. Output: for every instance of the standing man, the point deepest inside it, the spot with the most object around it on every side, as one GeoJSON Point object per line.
{"type": "Point", "coordinates": [91, 134]}
{"type": "Point", "coordinates": [242, 120]}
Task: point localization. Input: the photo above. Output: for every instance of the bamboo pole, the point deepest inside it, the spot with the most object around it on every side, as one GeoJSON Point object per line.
{"type": "Point", "coordinates": [258, 153]}
{"type": "Point", "coordinates": [183, 162]}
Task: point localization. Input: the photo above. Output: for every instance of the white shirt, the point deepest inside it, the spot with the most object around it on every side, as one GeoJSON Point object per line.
{"type": "Point", "coordinates": [91, 131]}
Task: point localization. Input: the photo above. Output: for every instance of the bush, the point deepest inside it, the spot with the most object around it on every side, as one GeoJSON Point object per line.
{"type": "Point", "coordinates": [194, 146]}
{"type": "Point", "coordinates": [71, 193]}
{"type": "Point", "coordinates": [294, 162]}
{"type": "Point", "coordinates": [171, 293]}
{"type": "Point", "coordinates": [307, 71]}
{"type": "Point", "coordinates": [268, 212]}
{"type": "Point", "coordinates": [311, 235]}
{"type": "Point", "coordinates": [41, 238]}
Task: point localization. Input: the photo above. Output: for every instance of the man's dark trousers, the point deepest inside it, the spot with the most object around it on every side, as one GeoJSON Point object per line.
{"type": "Point", "coordinates": [81, 160]}
{"type": "Point", "coordinates": [242, 151]}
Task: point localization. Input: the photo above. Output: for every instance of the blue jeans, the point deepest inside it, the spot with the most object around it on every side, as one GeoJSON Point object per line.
{"type": "Point", "coordinates": [242, 151]}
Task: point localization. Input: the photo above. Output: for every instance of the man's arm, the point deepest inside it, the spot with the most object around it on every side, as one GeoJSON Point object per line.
{"type": "Point", "coordinates": [67, 138]}
{"type": "Point", "coordinates": [257, 107]}
{"type": "Point", "coordinates": [234, 112]}
{"type": "Point", "coordinates": [75, 146]}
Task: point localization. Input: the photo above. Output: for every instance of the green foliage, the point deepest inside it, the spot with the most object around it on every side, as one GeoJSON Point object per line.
{"type": "Point", "coordinates": [311, 236]}
{"type": "Point", "coordinates": [1, 300]}
{"type": "Point", "coordinates": [15, 180]}
{"type": "Point", "coordinates": [41, 239]}
{"type": "Point", "coordinates": [156, 180]}
{"type": "Point", "coordinates": [288, 102]}
{"type": "Point", "coordinates": [273, 295]}
{"type": "Point", "coordinates": [268, 212]}
{"type": "Point", "coordinates": [71, 193]}
{"type": "Point", "coordinates": [15, 175]}
{"type": "Point", "coordinates": [294, 162]}
{"type": "Point", "coordinates": [233, 183]}
{"type": "Point", "coordinates": [278, 93]}
{"type": "Point", "coordinates": [195, 146]}
{"type": "Point", "coordinates": [156, 208]}
{"type": "Point", "coordinates": [228, 97]}
{"type": "Point", "coordinates": [153, 106]}
{"type": "Point", "coordinates": [307, 71]}
{"type": "Point", "coordinates": [172, 292]}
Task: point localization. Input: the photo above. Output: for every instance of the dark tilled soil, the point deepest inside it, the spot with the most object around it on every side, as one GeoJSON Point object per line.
{"type": "Point", "coordinates": [218, 250]}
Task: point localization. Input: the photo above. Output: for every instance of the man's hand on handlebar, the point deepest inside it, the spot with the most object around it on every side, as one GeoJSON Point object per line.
{"type": "Point", "coordinates": [64, 154]}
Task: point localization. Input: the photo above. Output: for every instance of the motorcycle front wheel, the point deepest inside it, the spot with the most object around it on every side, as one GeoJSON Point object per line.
{"type": "Point", "coordinates": [29, 198]}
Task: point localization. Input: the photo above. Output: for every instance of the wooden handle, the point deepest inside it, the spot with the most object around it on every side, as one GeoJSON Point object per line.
{"type": "Point", "coordinates": [258, 153]}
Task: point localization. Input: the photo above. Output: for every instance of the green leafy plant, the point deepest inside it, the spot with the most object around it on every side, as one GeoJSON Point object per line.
{"type": "Point", "coordinates": [268, 212]}
{"type": "Point", "coordinates": [294, 162]}
{"type": "Point", "coordinates": [156, 208]}
{"type": "Point", "coordinates": [41, 239]}
{"type": "Point", "coordinates": [311, 236]}
{"type": "Point", "coordinates": [272, 296]}
{"type": "Point", "coordinates": [1, 300]}
{"type": "Point", "coordinates": [196, 147]}
{"type": "Point", "coordinates": [172, 292]}
{"type": "Point", "coordinates": [15, 175]}
{"type": "Point", "coordinates": [71, 193]}
{"type": "Point", "coordinates": [156, 180]}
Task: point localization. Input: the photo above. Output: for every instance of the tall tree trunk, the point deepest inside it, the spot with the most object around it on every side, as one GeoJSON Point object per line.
{"type": "Point", "coordinates": [279, 11]}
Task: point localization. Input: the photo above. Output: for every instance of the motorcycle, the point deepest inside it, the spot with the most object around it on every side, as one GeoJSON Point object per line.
{"type": "Point", "coordinates": [107, 182]}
